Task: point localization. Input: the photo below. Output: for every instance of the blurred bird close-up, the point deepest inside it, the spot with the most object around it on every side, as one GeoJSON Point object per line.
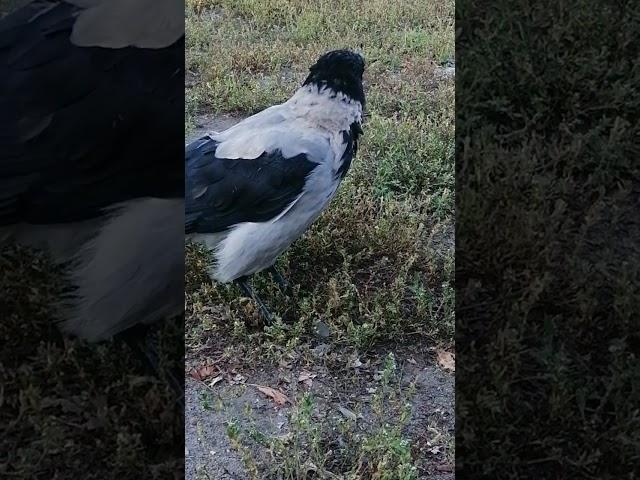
{"type": "Point", "coordinates": [255, 188]}
{"type": "Point", "coordinates": [88, 88]}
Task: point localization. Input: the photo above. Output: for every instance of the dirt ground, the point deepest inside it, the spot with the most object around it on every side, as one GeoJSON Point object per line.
{"type": "Point", "coordinates": [210, 409]}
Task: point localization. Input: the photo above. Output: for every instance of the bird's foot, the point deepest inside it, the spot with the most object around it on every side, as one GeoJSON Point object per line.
{"type": "Point", "coordinates": [144, 344]}
{"type": "Point", "coordinates": [282, 282]}
{"type": "Point", "coordinates": [243, 283]}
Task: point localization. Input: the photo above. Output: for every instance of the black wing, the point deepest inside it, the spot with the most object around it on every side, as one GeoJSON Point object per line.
{"type": "Point", "coordinates": [222, 192]}
{"type": "Point", "coordinates": [82, 128]}
{"type": "Point", "coordinates": [350, 138]}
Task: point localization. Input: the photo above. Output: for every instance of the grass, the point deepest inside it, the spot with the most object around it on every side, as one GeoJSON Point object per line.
{"type": "Point", "coordinates": [375, 264]}
{"type": "Point", "coordinates": [378, 267]}
{"type": "Point", "coordinates": [547, 260]}
{"type": "Point", "coordinates": [247, 55]}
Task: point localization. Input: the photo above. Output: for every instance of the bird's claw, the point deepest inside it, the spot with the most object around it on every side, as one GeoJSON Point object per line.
{"type": "Point", "coordinates": [283, 284]}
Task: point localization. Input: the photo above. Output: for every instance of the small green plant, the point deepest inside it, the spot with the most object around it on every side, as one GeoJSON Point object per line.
{"type": "Point", "coordinates": [378, 450]}
{"type": "Point", "coordinates": [235, 438]}
{"type": "Point", "coordinates": [206, 400]}
{"type": "Point", "coordinates": [385, 453]}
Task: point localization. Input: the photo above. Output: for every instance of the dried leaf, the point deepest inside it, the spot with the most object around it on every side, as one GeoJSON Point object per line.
{"type": "Point", "coordinates": [306, 378]}
{"type": "Point", "coordinates": [445, 468]}
{"type": "Point", "coordinates": [446, 360]}
{"type": "Point", "coordinates": [304, 375]}
{"type": "Point", "coordinates": [282, 363]}
{"type": "Point", "coordinates": [217, 379]}
{"type": "Point", "coordinates": [203, 372]}
{"type": "Point", "coordinates": [276, 395]}
{"type": "Point", "coordinates": [347, 413]}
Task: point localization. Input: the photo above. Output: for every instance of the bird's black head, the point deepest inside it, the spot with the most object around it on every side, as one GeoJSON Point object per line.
{"type": "Point", "coordinates": [340, 70]}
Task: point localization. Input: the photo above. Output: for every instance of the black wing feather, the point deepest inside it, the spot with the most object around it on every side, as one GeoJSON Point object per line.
{"type": "Point", "coordinates": [222, 192]}
{"type": "Point", "coordinates": [350, 138]}
{"type": "Point", "coordinates": [82, 128]}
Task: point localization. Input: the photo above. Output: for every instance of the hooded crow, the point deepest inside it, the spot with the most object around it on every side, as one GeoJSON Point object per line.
{"type": "Point", "coordinates": [255, 188]}
{"type": "Point", "coordinates": [88, 87]}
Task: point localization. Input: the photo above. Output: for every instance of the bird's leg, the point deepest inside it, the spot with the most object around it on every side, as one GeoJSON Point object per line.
{"type": "Point", "coordinates": [279, 279]}
{"type": "Point", "coordinates": [143, 344]}
{"type": "Point", "coordinates": [243, 283]}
